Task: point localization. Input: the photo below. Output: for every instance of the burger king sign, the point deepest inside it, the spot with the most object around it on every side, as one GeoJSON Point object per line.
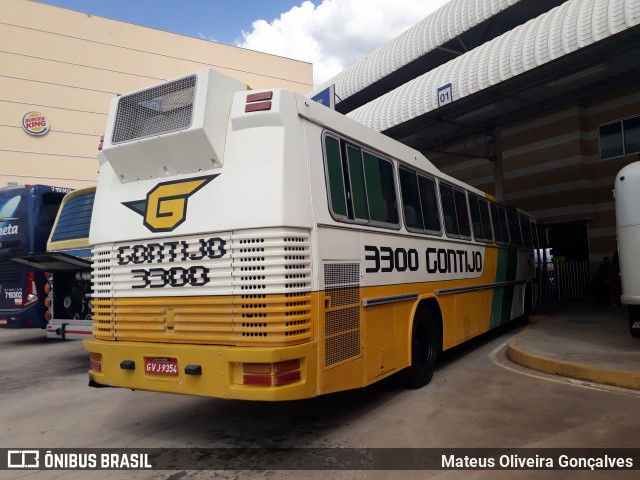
{"type": "Point", "coordinates": [35, 123]}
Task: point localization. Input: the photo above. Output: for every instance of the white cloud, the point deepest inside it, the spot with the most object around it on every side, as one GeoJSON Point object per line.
{"type": "Point", "coordinates": [336, 33]}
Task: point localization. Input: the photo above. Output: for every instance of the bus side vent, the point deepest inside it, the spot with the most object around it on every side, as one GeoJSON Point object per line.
{"type": "Point", "coordinates": [102, 282]}
{"type": "Point", "coordinates": [342, 312]}
{"type": "Point", "coordinates": [161, 109]}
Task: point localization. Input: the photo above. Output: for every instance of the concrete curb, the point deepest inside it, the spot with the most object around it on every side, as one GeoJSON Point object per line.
{"type": "Point", "coordinates": [565, 368]}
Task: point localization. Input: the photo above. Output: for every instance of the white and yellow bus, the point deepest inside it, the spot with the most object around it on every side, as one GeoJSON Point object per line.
{"type": "Point", "coordinates": [257, 245]}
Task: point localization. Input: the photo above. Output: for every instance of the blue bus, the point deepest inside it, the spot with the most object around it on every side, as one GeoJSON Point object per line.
{"type": "Point", "coordinates": [27, 214]}
{"type": "Point", "coordinates": [68, 265]}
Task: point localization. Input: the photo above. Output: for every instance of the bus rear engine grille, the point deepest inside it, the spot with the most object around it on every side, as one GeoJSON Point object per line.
{"type": "Point", "coordinates": [259, 293]}
{"type": "Point", "coordinates": [238, 320]}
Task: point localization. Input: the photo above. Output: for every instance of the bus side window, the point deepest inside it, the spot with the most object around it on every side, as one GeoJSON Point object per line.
{"type": "Point", "coordinates": [337, 192]}
{"type": "Point", "coordinates": [499, 218]}
{"type": "Point", "coordinates": [361, 186]}
{"type": "Point", "coordinates": [495, 220]}
{"type": "Point", "coordinates": [462, 212]}
{"type": "Point", "coordinates": [429, 199]}
{"type": "Point", "coordinates": [420, 202]}
{"type": "Point", "coordinates": [358, 192]}
{"type": "Point", "coordinates": [525, 226]}
{"type": "Point", "coordinates": [534, 232]}
{"type": "Point", "coordinates": [411, 199]}
{"type": "Point", "coordinates": [504, 224]}
{"type": "Point", "coordinates": [514, 227]}
{"type": "Point", "coordinates": [480, 219]}
{"type": "Point", "coordinates": [476, 224]}
{"type": "Point", "coordinates": [381, 192]}
{"type": "Point", "coordinates": [449, 210]}
{"type": "Point", "coordinates": [485, 219]}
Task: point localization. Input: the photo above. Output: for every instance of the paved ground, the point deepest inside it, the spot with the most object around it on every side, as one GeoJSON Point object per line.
{"type": "Point", "coordinates": [478, 398]}
{"type": "Point", "coordinates": [586, 341]}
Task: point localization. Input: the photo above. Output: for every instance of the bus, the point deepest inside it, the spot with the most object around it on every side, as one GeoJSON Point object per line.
{"type": "Point", "coordinates": [27, 214]}
{"type": "Point", "coordinates": [257, 245]}
{"type": "Point", "coordinates": [627, 198]}
{"type": "Point", "coordinates": [67, 263]}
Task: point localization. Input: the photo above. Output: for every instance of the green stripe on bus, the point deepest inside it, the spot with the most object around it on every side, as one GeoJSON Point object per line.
{"type": "Point", "coordinates": [503, 297]}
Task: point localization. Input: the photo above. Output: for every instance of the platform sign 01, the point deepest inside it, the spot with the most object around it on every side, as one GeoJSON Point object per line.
{"type": "Point", "coordinates": [445, 95]}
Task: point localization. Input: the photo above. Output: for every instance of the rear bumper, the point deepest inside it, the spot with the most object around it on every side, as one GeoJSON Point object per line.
{"type": "Point", "coordinates": [630, 299]}
{"type": "Point", "coordinates": [70, 329]}
{"type": "Point", "coordinates": [221, 369]}
{"type": "Point", "coordinates": [29, 317]}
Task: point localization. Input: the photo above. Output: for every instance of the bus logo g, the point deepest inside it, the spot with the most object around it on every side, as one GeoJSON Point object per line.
{"type": "Point", "coordinates": [166, 204]}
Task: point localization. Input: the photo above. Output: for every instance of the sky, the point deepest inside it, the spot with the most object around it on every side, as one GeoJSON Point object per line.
{"type": "Point", "coordinates": [331, 34]}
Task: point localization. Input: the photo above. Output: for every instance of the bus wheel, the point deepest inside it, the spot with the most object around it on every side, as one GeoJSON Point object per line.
{"type": "Point", "coordinates": [424, 351]}
{"type": "Point", "coordinates": [634, 320]}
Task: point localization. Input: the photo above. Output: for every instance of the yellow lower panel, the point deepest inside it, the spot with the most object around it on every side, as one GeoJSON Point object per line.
{"type": "Point", "coordinates": [249, 320]}
{"type": "Point", "coordinates": [221, 375]}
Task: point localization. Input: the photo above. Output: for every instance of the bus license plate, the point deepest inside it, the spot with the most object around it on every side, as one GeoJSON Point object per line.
{"type": "Point", "coordinates": [161, 366]}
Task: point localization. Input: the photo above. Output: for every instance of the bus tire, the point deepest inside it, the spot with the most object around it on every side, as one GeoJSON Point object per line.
{"type": "Point", "coordinates": [634, 320]}
{"type": "Point", "coordinates": [424, 352]}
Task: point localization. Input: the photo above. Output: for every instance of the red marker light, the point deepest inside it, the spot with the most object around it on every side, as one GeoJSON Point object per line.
{"type": "Point", "coordinates": [257, 102]}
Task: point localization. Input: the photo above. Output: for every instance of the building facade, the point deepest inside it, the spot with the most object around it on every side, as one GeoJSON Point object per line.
{"type": "Point", "coordinates": [61, 68]}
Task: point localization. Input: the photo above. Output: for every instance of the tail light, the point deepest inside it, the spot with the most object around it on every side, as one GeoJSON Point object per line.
{"type": "Point", "coordinates": [268, 374]}
{"type": "Point", "coordinates": [257, 102]}
{"type": "Point", "coordinates": [95, 361]}
{"type": "Point", "coordinates": [32, 291]}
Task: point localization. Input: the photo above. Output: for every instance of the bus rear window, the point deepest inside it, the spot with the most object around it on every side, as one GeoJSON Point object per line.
{"type": "Point", "coordinates": [74, 219]}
